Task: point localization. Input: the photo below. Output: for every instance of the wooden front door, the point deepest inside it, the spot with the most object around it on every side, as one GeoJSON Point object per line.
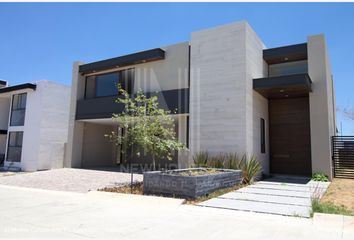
{"type": "Point", "coordinates": [289, 135]}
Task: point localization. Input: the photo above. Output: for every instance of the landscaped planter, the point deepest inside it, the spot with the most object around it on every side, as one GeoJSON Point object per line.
{"type": "Point", "coordinates": [180, 183]}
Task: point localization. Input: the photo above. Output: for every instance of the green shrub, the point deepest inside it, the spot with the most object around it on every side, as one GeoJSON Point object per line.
{"type": "Point", "coordinates": [320, 177]}
{"type": "Point", "coordinates": [329, 208]}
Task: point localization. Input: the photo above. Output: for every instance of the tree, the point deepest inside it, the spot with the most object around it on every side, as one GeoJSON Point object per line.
{"type": "Point", "coordinates": [349, 113]}
{"type": "Point", "coordinates": [146, 126]}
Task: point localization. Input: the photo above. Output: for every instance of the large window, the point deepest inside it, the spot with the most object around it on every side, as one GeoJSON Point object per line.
{"type": "Point", "coordinates": [104, 85]}
{"type": "Point", "coordinates": [14, 147]}
{"type": "Point", "coordinates": [288, 68]}
{"type": "Point", "coordinates": [18, 109]}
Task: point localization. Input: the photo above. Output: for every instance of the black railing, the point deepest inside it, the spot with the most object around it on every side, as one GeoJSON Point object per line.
{"type": "Point", "coordinates": [343, 156]}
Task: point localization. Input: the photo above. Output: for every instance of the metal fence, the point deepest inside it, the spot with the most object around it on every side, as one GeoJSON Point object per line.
{"type": "Point", "coordinates": [343, 156]}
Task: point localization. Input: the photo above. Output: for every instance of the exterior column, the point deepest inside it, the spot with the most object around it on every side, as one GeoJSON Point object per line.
{"type": "Point", "coordinates": [322, 106]}
{"type": "Point", "coordinates": [73, 154]}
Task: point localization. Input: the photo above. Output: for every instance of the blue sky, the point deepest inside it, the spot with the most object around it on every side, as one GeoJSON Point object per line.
{"type": "Point", "coordinates": [41, 40]}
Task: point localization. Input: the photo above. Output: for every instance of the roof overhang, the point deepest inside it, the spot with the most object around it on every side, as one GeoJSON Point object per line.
{"type": "Point", "coordinates": [131, 59]}
{"type": "Point", "coordinates": [290, 53]}
{"type": "Point", "coordinates": [3, 83]}
{"type": "Point", "coordinates": [24, 86]}
{"type": "Point", "coordinates": [288, 86]}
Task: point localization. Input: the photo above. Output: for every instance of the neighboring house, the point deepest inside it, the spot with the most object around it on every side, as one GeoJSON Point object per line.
{"type": "Point", "coordinates": [232, 94]}
{"type": "Point", "coordinates": [33, 125]}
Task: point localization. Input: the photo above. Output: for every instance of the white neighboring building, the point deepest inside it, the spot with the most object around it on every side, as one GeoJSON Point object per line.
{"type": "Point", "coordinates": [33, 125]}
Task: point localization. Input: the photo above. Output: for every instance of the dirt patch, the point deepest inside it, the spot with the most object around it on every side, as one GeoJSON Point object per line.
{"type": "Point", "coordinates": [340, 192]}
{"type": "Point", "coordinates": [137, 188]}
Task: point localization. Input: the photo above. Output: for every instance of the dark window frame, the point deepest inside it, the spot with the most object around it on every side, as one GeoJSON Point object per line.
{"type": "Point", "coordinates": [18, 144]}
{"type": "Point", "coordinates": [263, 141]}
{"type": "Point", "coordinates": [19, 97]}
{"type": "Point", "coordinates": [119, 72]}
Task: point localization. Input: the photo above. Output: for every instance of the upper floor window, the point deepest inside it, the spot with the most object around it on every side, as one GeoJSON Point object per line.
{"type": "Point", "coordinates": [104, 85]}
{"type": "Point", "coordinates": [18, 109]}
{"type": "Point", "coordinates": [288, 68]}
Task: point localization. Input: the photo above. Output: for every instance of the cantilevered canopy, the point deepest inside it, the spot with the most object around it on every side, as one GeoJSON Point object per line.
{"type": "Point", "coordinates": [296, 85]}
{"type": "Point", "coordinates": [285, 54]}
{"type": "Point", "coordinates": [131, 59]}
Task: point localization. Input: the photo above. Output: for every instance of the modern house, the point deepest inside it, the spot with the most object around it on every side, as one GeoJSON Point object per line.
{"type": "Point", "coordinates": [33, 125]}
{"type": "Point", "coordinates": [231, 92]}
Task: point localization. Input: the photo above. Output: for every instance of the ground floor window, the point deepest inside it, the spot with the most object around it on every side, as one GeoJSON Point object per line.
{"type": "Point", "coordinates": [14, 147]}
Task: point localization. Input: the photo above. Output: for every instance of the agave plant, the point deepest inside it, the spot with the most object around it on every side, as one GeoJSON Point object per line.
{"type": "Point", "coordinates": [250, 168]}
{"type": "Point", "coordinates": [233, 161]}
{"type": "Point", "coordinates": [217, 161]}
{"type": "Point", "coordinates": [201, 159]}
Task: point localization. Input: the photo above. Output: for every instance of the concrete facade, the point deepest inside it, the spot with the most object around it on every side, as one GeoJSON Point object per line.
{"type": "Point", "coordinates": [322, 105]}
{"type": "Point", "coordinates": [45, 126]}
{"type": "Point", "coordinates": [218, 67]}
{"type": "Point", "coordinates": [225, 111]}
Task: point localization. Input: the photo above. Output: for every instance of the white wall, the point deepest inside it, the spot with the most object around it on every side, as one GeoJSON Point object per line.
{"type": "Point", "coordinates": [322, 105]}
{"type": "Point", "coordinates": [167, 74]}
{"type": "Point", "coordinates": [55, 100]}
{"type": "Point", "coordinates": [225, 111]}
{"type": "Point", "coordinates": [46, 126]}
{"type": "Point", "coordinates": [257, 105]}
{"type": "Point", "coordinates": [218, 89]}
{"type": "Point", "coordinates": [73, 155]}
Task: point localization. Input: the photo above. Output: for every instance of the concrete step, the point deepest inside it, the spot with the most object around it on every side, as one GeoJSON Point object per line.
{"type": "Point", "coordinates": [268, 198]}
{"type": "Point", "coordinates": [281, 187]}
{"type": "Point", "coordinates": [261, 207]}
{"type": "Point", "coordinates": [275, 192]}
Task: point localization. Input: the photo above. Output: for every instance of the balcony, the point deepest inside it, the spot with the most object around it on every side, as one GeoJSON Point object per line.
{"type": "Point", "coordinates": [176, 101]}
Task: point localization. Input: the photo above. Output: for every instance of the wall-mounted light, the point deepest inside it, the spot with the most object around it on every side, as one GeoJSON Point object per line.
{"type": "Point", "coordinates": [281, 90]}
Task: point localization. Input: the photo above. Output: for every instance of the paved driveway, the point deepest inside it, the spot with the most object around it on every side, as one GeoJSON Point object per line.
{"type": "Point", "coordinates": [69, 179]}
{"type": "Point", "coordinates": [289, 196]}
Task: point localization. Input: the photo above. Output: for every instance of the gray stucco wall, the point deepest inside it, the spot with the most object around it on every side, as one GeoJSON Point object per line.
{"type": "Point", "coordinates": [97, 151]}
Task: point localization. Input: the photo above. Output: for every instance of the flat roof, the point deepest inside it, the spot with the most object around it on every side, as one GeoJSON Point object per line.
{"type": "Point", "coordinates": [126, 60]}
{"type": "Point", "coordinates": [18, 87]}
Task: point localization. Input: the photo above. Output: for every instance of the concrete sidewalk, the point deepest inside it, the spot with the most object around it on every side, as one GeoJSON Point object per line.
{"type": "Point", "coordinates": [290, 196]}
{"type": "Point", "coordinates": [42, 214]}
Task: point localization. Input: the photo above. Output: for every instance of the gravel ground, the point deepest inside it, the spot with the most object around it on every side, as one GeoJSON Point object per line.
{"type": "Point", "coordinates": [69, 179]}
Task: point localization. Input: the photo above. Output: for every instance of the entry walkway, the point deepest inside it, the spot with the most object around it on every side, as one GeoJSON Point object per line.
{"type": "Point", "coordinates": [290, 196]}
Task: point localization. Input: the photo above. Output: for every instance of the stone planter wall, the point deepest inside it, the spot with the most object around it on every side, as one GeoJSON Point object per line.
{"type": "Point", "coordinates": [190, 187]}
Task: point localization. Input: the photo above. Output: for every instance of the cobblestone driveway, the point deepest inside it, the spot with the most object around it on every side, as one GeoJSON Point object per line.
{"type": "Point", "coordinates": [69, 179]}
